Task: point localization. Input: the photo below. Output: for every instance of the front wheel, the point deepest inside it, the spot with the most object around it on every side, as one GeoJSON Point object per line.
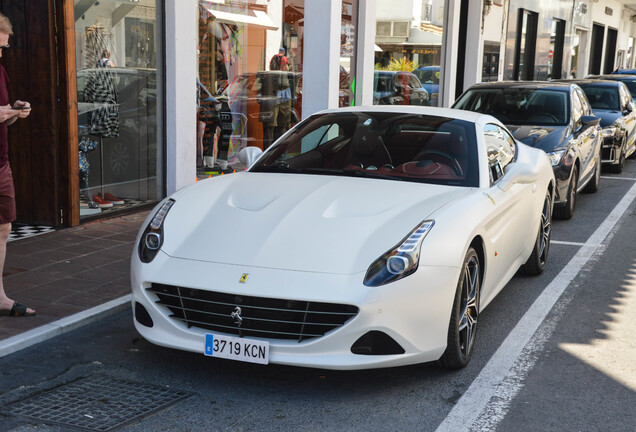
{"type": "Point", "coordinates": [618, 168]}
{"type": "Point", "coordinates": [595, 181]}
{"type": "Point", "coordinates": [463, 323]}
{"type": "Point", "coordinates": [539, 257]}
{"type": "Point", "coordinates": [567, 211]}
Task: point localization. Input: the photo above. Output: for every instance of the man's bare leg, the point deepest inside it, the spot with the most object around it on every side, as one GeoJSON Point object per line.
{"type": "Point", "coordinates": [5, 302]}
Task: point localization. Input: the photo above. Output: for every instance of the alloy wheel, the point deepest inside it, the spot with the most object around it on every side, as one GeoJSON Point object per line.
{"type": "Point", "coordinates": [546, 230]}
{"type": "Point", "coordinates": [469, 307]}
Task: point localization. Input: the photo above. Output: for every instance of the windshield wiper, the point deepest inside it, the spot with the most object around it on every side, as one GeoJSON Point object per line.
{"type": "Point", "coordinates": [370, 174]}
{"type": "Point", "coordinates": [278, 167]}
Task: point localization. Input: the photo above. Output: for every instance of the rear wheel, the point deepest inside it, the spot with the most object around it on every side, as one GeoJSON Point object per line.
{"type": "Point", "coordinates": [463, 323]}
{"type": "Point", "coordinates": [539, 256]}
{"type": "Point", "coordinates": [567, 211]}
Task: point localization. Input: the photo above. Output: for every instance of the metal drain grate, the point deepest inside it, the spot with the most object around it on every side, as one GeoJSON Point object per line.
{"type": "Point", "coordinates": [96, 403]}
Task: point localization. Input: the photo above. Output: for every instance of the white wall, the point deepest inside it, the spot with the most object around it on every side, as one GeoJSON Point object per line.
{"type": "Point", "coordinates": [366, 52]}
{"type": "Point", "coordinates": [393, 10]}
{"type": "Point", "coordinates": [321, 68]}
{"type": "Point", "coordinates": [449, 53]}
{"type": "Point", "coordinates": [181, 103]}
{"type": "Point", "coordinates": [619, 20]}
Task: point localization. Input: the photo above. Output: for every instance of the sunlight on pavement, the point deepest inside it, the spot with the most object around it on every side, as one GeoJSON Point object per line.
{"type": "Point", "coordinates": [614, 354]}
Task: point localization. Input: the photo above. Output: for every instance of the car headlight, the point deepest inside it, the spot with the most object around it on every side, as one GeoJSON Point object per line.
{"type": "Point", "coordinates": [556, 156]}
{"type": "Point", "coordinates": [609, 132]}
{"type": "Point", "coordinates": [400, 261]}
{"type": "Point", "coordinates": [152, 238]}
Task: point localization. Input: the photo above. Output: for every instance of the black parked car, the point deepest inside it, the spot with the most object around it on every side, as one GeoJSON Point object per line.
{"type": "Point", "coordinates": [613, 103]}
{"type": "Point", "coordinates": [555, 117]}
{"type": "Point", "coordinates": [627, 79]}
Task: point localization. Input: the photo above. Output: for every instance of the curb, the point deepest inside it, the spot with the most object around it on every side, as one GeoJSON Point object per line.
{"type": "Point", "coordinates": [64, 325]}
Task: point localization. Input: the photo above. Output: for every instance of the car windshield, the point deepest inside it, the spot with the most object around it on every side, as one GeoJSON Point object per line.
{"type": "Point", "coordinates": [391, 146]}
{"type": "Point", "coordinates": [519, 106]}
{"type": "Point", "coordinates": [602, 97]}
{"type": "Point", "coordinates": [630, 83]}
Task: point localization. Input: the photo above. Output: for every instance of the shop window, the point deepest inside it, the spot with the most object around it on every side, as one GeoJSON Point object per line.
{"type": "Point", "coordinates": [249, 78]}
{"type": "Point", "coordinates": [406, 49]}
{"type": "Point", "coordinates": [119, 152]}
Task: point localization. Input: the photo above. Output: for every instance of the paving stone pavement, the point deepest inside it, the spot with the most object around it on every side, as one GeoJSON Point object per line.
{"type": "Point", "coordinates": [69, 270]}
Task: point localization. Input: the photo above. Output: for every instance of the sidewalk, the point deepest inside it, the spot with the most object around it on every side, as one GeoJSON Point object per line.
{"type": "Point", "coordinates": [65, 273]}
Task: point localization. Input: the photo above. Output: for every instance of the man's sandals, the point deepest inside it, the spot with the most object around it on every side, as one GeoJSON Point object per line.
{"type": "Point", "coordinates": [17, 310]}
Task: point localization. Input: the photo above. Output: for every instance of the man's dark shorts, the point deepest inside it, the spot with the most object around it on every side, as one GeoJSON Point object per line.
{"type": "Point", "coordinates": [7, 195]}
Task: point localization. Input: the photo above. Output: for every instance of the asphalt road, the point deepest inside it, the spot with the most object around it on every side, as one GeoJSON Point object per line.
{"type": "Point", "coordinates": [554, 353]}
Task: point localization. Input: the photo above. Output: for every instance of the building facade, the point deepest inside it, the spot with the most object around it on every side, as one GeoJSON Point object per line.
{"type": "Point", "coordinates": [154, 95]}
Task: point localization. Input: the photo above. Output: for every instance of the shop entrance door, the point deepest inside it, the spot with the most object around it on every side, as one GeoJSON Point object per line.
{"type": "Point", "coordinates": [610, 50]}
{"type": "Point", "coordinates": [597, 49]}
{"type": "Point", "coordinates": [38, 145]}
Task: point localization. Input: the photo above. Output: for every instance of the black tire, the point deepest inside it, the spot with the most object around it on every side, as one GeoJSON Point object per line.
{"type": "Point", "coordinates": [594, 183]}
{"type": "Point", "coordinates": [538, 259]}
{"type": "Point", "coordinates": [463, 322]}
{"type": "Point", "coordinates": [567, 211]}
{"type": "Point", "coordinates": [618, 168]}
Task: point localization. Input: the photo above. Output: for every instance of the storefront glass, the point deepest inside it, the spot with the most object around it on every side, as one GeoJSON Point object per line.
{"type": "Point", "coordinates": [249, 77]}
{"type": "Point", "coordinates": [408, 52]}
{"type": "Point", "coordinates": [119, 153]}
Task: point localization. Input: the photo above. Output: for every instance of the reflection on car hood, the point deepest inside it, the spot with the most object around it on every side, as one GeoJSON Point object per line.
{"type": "Point", "coordinates": [608, 117]}
{"type": "Point", "coordinates": [546, 138]}
{"type": "Point", "coordinates": [298, 222]}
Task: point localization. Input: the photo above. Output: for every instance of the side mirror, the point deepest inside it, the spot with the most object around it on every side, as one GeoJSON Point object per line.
{"type": "Point", "coordinates": [518, 173]}
{"type": "Point", "coordinates": [590, 120]}
{"type": "Point", "coordinates": [249, 155]}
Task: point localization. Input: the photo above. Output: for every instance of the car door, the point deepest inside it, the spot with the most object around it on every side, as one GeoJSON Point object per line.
{"type": "Point", "coordinates": [507, 227]}
{"type": "Point", "coordinates": [585, 136]}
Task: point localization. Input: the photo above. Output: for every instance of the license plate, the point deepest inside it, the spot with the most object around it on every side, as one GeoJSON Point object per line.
{"type": "Point", "coordinates": [235, 348]}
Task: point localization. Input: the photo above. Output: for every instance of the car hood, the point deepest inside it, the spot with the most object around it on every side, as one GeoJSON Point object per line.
{"type": "Point", "coordinates": [608, 117]}
{"type": "Point", "coordinates": [314, 223]}
{"type": "Point", "coordinates": [546, 138]}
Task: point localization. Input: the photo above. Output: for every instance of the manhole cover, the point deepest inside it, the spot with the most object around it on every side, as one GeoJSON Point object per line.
{"type": "Point", "coordinates": [96, 403]}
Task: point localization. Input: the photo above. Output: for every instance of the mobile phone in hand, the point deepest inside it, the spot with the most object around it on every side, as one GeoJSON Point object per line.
{"type": "Point", "coordinates": [20, 107]}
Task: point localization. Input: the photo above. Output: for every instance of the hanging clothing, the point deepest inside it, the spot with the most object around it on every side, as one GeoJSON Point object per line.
{"type": "Point", "coordinates": [100, 89]}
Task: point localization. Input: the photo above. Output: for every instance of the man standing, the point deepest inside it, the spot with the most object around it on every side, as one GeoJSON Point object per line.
{"type": "Point", "coordinates": [279, 61]}
{"type": "Point", "coordinates": [8, 115]}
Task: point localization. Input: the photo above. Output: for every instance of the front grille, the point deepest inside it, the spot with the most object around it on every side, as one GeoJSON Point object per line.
{"type": "Point", "coordinates": [261, 317]}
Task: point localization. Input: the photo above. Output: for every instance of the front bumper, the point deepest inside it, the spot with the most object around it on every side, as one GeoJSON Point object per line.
{"type": "Point", "coordinates": [414, 311]}
{"type": "Point", "coordinates": [562, 175]}
{"type": "Point", "coordinates": [611, 151]}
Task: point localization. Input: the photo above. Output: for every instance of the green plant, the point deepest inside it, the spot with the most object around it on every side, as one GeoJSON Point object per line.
{"type": "Point", "coordinates": [403, 64]}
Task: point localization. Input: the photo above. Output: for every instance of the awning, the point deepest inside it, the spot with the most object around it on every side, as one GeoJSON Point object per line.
{"type": "Point", "coordinates": [257, 19]}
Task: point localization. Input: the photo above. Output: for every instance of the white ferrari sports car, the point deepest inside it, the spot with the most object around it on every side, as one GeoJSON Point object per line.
{"type": "Point", "coordinates": [364, 237]}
